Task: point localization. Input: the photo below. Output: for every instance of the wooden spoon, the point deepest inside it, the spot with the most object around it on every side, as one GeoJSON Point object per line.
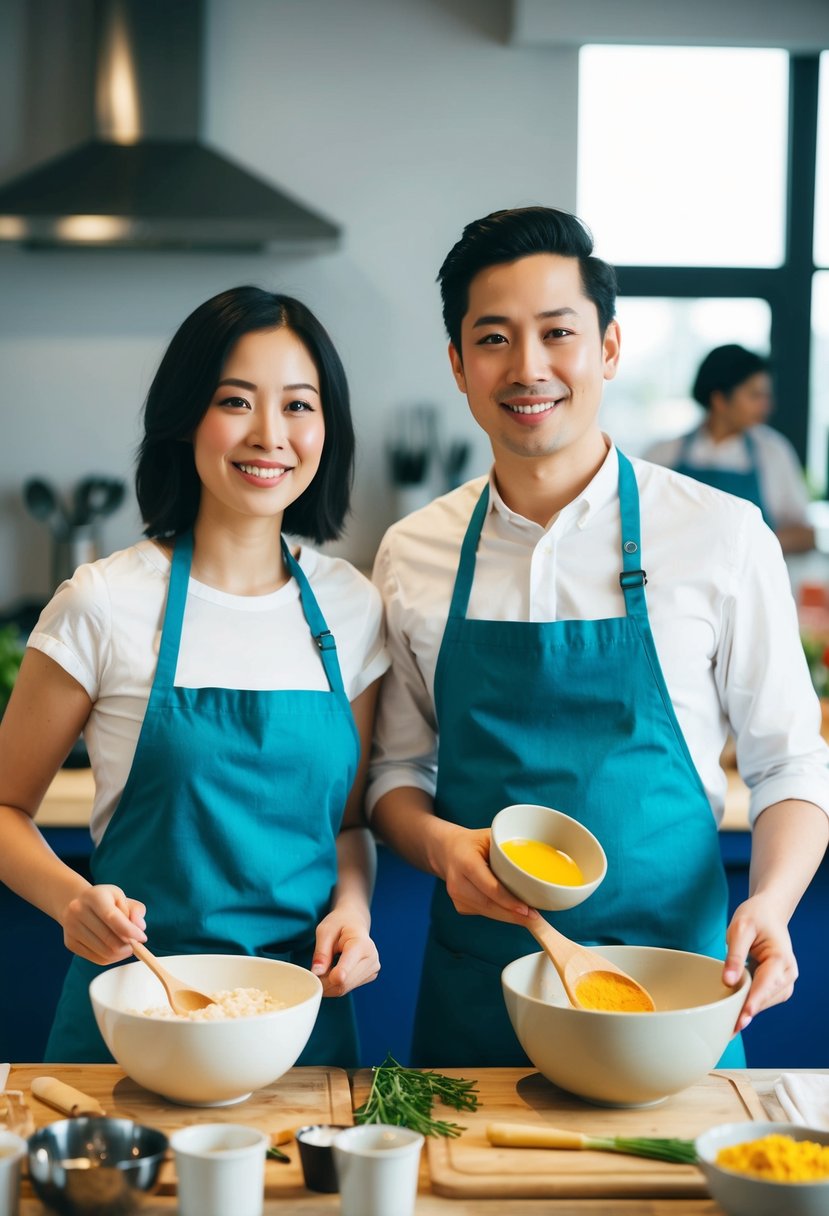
{"type": "Point", "coordinates": [575, 963]}
{"type": "Point", "coordinates": [183, 1000]}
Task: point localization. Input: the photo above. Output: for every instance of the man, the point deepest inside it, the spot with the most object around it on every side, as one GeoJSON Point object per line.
{"type": "Point", "coordinates": [581, 630]}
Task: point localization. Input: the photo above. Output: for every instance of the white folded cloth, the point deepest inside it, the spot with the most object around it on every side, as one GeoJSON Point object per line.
{"type": "Point", "coordinates": [805, 1098]}
{"type": "Point", "coordinates": [4, 1075]}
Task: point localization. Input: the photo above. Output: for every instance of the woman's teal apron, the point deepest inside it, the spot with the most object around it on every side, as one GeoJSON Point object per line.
{"type": "Point", "coordinates": [744, 484]}
{"type": "Point", "coordinates": [574, 715]}
{"type": "Point", "coordinates": [227, 825]}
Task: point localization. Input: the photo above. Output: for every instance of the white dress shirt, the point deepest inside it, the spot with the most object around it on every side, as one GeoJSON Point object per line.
{"type": "Point", "coordinates": [719, 602]}
{"type": "Point", "coordinates": [781, 478]}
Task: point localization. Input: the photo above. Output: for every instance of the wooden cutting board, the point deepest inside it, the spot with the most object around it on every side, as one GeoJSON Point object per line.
{"type": "Point", "coordinates": [469, 1167]}
{"type": "Point", "coordinates": [303, 1095]}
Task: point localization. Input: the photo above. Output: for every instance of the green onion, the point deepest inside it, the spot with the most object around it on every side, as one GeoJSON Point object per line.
{"type": "Point", "coordinates": [540, 1135]}
{"type": "Point", "coordinates": [403, 1097]}
{"type": "Point", "coordinates": [682, 1152]}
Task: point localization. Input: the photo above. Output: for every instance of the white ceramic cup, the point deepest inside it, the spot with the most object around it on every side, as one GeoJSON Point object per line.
{"type": "Point", "coordinates": [12, 1151]}
{"type": "Point", "coordinates": [377, 1168]}
{"type": "Point", "coordinates": [220, 1169]}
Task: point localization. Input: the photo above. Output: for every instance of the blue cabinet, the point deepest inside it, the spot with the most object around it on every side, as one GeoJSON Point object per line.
{"type": "Point", "coordinates": [792, 1035]}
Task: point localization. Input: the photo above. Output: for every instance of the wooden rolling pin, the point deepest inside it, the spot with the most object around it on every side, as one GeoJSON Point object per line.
{"type": "Point", "coordinates": [64, 1098]}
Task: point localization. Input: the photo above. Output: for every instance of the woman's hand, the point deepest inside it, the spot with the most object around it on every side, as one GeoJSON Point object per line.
{"type": "Point", "coordinates": [345, 932]}
{"type": "Point", "coordinates": [759, 932]}
{"type": "Point", "coordinates": [99, 922]}
{"type": "Point", "coordinates": [470, 883]}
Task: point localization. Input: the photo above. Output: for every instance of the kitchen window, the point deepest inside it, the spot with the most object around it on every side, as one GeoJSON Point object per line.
{"type": "Point", "coordinates": [697, 174]}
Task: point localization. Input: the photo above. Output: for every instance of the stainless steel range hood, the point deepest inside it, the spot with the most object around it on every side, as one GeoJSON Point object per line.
{"type": "Point", "coordinates": [145, 178]}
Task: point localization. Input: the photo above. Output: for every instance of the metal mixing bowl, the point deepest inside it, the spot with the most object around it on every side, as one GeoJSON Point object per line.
{"type": "Point", "coordinates": [94, 1167]}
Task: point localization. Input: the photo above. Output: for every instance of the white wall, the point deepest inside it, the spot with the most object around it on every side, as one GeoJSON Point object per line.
{"type": "Point", "coordinates": [400, 119]}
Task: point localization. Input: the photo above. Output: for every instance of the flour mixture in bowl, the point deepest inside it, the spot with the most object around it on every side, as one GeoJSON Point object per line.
{"type": "Point", "coordinates": [228, 1003]}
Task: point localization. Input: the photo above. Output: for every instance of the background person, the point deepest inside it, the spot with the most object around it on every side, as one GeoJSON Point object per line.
{"type": "Point", "coordinates": [733, 450]}
{"type": "Point", "coordinates": [225, 683]}
{"type": "Point", "coordinates": [582, 630]}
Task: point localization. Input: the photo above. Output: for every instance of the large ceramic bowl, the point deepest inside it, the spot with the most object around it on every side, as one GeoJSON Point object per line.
{"type": "Point", "coordinates": [88, 1167]}
{"type": "Point", "coordinates": [206, 1063]}
{"type": "Point", "coordinates": [526, 821]}
{"type": "Point", "coordinates": [741, 1195]}
{"type": "Point", "coordinates": [626, 1059]}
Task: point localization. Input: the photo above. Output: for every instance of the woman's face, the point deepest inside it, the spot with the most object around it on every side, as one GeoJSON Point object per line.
{"type": "Point", "coordinates": [749, 403]}
{"type": "Point", "coordinates": [258, 446]}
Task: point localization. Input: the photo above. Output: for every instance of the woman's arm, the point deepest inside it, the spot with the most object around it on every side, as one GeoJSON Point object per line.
{"type": "Point", "coordinates": [345, 930]}
{"type": "Point", "coordinates": [45, 715]}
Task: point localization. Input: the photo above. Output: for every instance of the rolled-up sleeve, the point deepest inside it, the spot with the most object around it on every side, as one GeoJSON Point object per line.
{"type": "Point", "coordinates": [405, 737]}
{"type": "Point", "coordinates": [764, 680]}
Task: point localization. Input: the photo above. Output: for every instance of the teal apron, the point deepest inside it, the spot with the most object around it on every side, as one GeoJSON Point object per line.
{"type": "Point", "coordinates": [574, 715]}
{"type": "Point", "coordinates": [742, 484]}
{"type": "Point", "coordinates": [227, 825]}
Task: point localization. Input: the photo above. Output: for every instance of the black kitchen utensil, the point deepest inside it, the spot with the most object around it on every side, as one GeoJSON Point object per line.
{"type": "Point", "coordinates": [42, 503]}
{"type": "Point", "coordinates": [94, 497]}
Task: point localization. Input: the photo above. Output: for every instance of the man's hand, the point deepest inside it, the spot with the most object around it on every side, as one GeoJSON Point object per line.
{"type": "Point", "coordinates": [758, 931]}
{"type": "Point", "coordinates": [473, 888]}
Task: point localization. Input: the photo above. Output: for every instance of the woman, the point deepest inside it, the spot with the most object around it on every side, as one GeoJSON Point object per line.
{"type": "Point", "coordinates": [733, 449]}
{"type": "Point", "coordinates": [225, 683]}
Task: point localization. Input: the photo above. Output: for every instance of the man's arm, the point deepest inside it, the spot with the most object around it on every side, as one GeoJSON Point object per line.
{"type": "Point", "coordinates": [788, 844]}
{"type": "Point", "coordinates": [458, 856]}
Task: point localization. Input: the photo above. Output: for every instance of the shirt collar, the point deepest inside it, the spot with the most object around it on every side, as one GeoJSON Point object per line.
{"type": "Point", "coordinates": [596, 494]}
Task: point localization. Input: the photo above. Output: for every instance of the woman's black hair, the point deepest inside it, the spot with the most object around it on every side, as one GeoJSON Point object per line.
{"type": "Point", "coordinates": [167, 484]}
{"type": "Point", "coordinates": [505, 236]}
{"type": "Point", "coordinates": [724, 369]}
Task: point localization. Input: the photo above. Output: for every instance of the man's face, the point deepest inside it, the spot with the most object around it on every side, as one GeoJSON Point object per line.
{"type": "Point", "coordinates": [533, 362]}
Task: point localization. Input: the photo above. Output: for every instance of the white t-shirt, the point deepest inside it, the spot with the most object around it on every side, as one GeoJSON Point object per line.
{"type": "Point", "coordinates": [778, 469]}
{"type": "Point", "coordinates": [103, 627]}
{"type": "Point", "coordinates": [719, 602]}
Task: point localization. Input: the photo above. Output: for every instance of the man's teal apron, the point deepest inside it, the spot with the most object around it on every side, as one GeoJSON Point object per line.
{"type": "Point", "coordinates": [744, 484]}
{"type": "Point", "coordinates": [574, 715]}
{"type": "Point", "coordinates": [227, 825]}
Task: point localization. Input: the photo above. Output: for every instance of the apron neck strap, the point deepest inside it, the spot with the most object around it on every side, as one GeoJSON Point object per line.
{"type": "Point", "coordinates": [165, 672]}
{"type": "Point", "coordinates": [177, 598]}
{"type": "Point", "coordinates": [466, 565]}
{"type": "Point", "coordinates": [320, 632]}
{"type": "Point", "coordinates": [632, 578]}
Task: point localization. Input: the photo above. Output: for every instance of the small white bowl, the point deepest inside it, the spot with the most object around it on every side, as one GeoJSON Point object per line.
{"type": "Point", "coordinates": [626, 1059]}
{"type": "Point", "coordinates": [525, 821]}
{"type": "Point", "coordinates": [740, 1194]}
{"type": "Point", "coordinates": [206, 1063]}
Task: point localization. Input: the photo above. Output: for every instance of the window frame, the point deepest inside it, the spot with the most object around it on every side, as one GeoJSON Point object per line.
{"type": "Point", "coordinates": [787, 288]}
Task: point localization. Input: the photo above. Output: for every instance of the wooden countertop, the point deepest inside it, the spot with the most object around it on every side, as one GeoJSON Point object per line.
{"type": "Point", "coordinates": [68, 801]}
{"type": "Point", "coordinates": [296, 1201]}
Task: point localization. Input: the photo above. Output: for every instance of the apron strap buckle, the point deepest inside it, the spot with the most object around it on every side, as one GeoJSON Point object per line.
{"type": "Point", "coordinates": [632, 578]}
{"type": "Point", "coordinates": [325, 640]}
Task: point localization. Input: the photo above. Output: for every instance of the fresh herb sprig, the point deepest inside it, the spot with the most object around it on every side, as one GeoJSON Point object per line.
{"type": "Point", "coordinates": [404, 1097]}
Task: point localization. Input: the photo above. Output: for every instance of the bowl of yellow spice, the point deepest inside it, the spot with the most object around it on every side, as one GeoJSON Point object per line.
{"type": "Point", "coordinates": [766, 1169]}
{"type": "Point", "coordinates": [545, 857]}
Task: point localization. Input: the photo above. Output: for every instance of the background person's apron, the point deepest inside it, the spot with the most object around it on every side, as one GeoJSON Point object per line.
{"type": "Point", "coordinates": [574, 715]}
{"type": "Point", "coordinates": [743, 484]}
{"type": "Point", "coordinates": [227, 825]}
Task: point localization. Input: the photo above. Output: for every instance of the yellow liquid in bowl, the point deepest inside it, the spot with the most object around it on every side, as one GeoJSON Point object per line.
{"type": "Point", "coordinates": [544, 862]}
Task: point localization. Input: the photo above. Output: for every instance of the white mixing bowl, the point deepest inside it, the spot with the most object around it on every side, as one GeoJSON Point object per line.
{"type": "Point", "coordinates": [206, 1063]}
{"type": "Point", "coordinates": [626, 1059]}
